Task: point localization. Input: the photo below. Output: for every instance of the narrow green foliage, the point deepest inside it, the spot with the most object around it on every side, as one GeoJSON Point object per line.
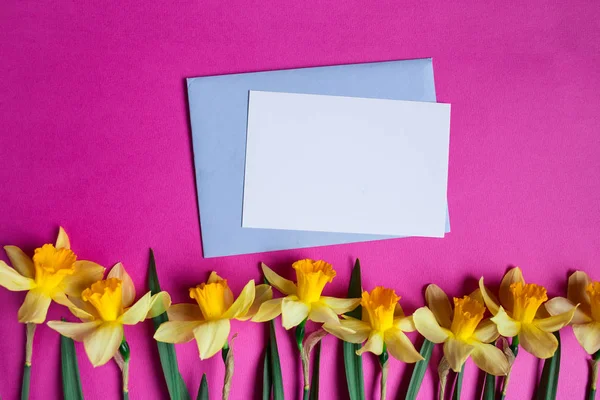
{"type": "Point", "coordinates": [352, 362]}
{"type": "Point", "coordinates": [419, 371]}
{"type": "Point", "coordinates": [203, 390]}
{"type": "Point", "coordinates": [166, 351]}
{"type": "Point", "coordinates": [272, 351]}
{"type": "Point", "coordinates": [489, 388]}
{"type": "Point", "coordinates": [458, 384]}
{"type": "Point", "coordinates": [548, 384]}
{"type": "Point", "coordinates": [314, 383]}
{"type": "Point", "coordinates": [71, 380]}
{"type": "Point", "coordinates": [267, 383]}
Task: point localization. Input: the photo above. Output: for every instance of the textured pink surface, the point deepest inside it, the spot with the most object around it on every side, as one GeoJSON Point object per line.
{"type": "Point", "coordinates": [95, 137]}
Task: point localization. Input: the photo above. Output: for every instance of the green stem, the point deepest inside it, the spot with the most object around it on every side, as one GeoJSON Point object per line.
{"type": "Point", "coordinates": [30, 332]}
{"type": "Point", "coordinates": [300, 333]}
{"type": "Point", "coordinates": [514, 346]}
{"type": "Point", "coordinates": [458, 384]}
{"type": "Point", "coordinates": [594, 375]}
{"type": "Point", "coordinates": [385, 365]}
{"type": "Point", "coordinates": [125, 352]}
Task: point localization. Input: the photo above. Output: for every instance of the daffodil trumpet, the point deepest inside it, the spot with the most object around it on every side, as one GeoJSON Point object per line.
{"type": "Point", "coordinates": [51, 274]}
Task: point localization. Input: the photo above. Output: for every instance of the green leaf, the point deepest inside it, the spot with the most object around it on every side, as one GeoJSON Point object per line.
{"type": "Point", "coordinates": [203, 390]}
{"type": "Point", "coordinates": [352, 362]}
{"type": "Point", "coordinates": [458, 384]}
{"type": "Point", "coordinates": [419, 371]}
{"type": "Point", "coordinates": [275, 364]}
{"type": "Point", "coordinates": [70, 370]}
{"type": "Point", "coordinates": [489, 388]}
{"type": "Point", "coordinates": [267, 383]}
{"type": "Point", "coordinates": [549, 380]}
{"type": "Point", "coordinates": [166, 351]}
{"type": "Point", "coordinates": [314, 383]}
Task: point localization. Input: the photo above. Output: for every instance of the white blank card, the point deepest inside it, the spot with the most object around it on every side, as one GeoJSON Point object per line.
{"type": "Point", "coordinates": [345, 164]}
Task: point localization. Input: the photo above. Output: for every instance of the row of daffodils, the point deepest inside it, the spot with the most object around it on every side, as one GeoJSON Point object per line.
{"type": "Point", "coordinates": [482, 326]}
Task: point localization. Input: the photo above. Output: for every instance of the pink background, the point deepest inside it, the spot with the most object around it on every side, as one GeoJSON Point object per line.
{"type": "Point", "coordinates": [95, 137]}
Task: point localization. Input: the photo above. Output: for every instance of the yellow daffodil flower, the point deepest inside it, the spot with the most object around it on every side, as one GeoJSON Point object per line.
{"type": "Point", "coordinates": [104, 308]}
{"type": "Point", "coordinates": [519, 313]}
{"type": "Point", "coordinates": [382, 322]}
{"type": "Point", "coordinates": [51, 274]}
{"type": "Point", "coordinates": [208, 321]}
{"type": "Point", "coordinates": [586, 319]}
{"type": "Point", "coordinates": [303, 300]}
{"type": "Point", "coordinates": [463, 331]}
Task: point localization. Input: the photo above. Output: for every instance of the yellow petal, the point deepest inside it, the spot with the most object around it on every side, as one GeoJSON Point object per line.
{"type": "Point", "coordinates": [576, 292]}
{"type": "Point", "coordinates": [293, 312]}
{"type": "Point", "coordinates": [512, 276]}
{"type": "Point", "coordinates": [102, 343]}
{"type": "Point", "coordinates": [82, 314]}
{"type": "Point", "coordinates": [74, 330]}
{"type": "Point", "coordinates": [211, 337]}
{"type": "Point", "coordinates": [507, 326]}
{"type": "Point", "coordinates": [185, 312]}
{"type": "Point", "coordinates": [428, 326]}
{"type": "Point", "coordinates": [486, 331]}
{"type": "Point", "coordinates": [350, 330]}
{"type": "Point", "coordinates": [588, 336]}
{"type": "Point", "coordinates": [285, 286]}
{"type": "Point", "coordinates": [214, 277]}
{"type": "Point", "coordinates": [268, 310]}
{"type": "Point", "coordinates": [537, 342]}
{"type": "Point", "coordinates": [490, 359]}
{"type": "Point", "coordinates": [82, 309]}
{"type": "Point", "coordinates": [86, 273]}
{"type": "Point", "coordinates": [262, 293]}
{"type": "Point", "coordinates": [438, 303]}
{"type": "Point", "coordinates": [456, 353]}
{"type": "Point", "coordinates": [556, 322]}
{"type": "Point", "coordinates": [128, 289]}
{"type": "Point", "coordinates": [476, 295]}
{"type": "Point", "coordinates": [405, 324]}
{"type": "Point", "coordinates": [559, 305]}
{"type": "Point", "coordinates": [62, 240]}
{"type": "Point", "coordinates": [322, 314]}
{"type": "Point", "coordinates": [159, 303]}
{"type": "Point", "coordinates": [35, 307]}
{"type": "Point", "coordinates": [242, 304]}
{"type": "Point", "coordinates": [137, 312]}
{"type": "Point", "coordinates": [176, 331]}
{"type": "Point", "coordinates": [12, 280]}
{"type": "Point", "coordinates": [20, 261]}
{"type": "Point", "coordinates": [340, 306]}
{"type": "Point", "coordinates": [374, 344]}
{"type": "Point", "coordinates": [490, 301]}
{"type": "Point", "coordinates": [400, 346]}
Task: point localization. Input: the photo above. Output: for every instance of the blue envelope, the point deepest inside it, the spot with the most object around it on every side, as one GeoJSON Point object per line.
{"type": "Point", "coordinates": [219, 111]}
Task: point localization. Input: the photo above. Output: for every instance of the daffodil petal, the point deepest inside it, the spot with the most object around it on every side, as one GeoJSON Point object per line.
{"type": "Point", "coordinates": [214, 277]}
{"type": "Point", "coordinates": [476, 295]}
{"type": "Point", "coordinates": [62, 240]}
{"type": "Point", "coordinates": [428, 326]}
{"type": "Point", "coordinates": [340, 306]}
{"type": "Point", "coordinates": [374, 344]}
{"type": "Point", "coordinates": [242, 304]}
{"type": "Point", "coordinates": [185, 312]}
{"type": "Point", "coordinates": [490, 359]}
{"type": "Point", "coordinates": [268, 310]}
{"type": "Point", "coordinates": [576, 292]}
{"type": "Point", "coordinates": [507, 326]}
{"type": "Point", "coordinates": [86, 309]}
{"type": "Point", "coordinates": [405, 324]}
{"type": "Point", "coordinates": [86, 273]}
{"type": "Point", "coordinates": [438, 303]}
{"type": "Point", "coordinates": [102, 343]}
{"type": "Point", "coordinates": [559, 305]}
{"type": "Point", "coordinates": [35, 307]}
{"type": "Point", "coordinates": [262, 293]}
{"type": "Point", "coordinates": [63, 300]}
{"type": "Point", "coordinates": [322, 314]}
{"type": "Point", "coordinates": [77, 331]}
{"type": "Point", "coordinates": [350, 330]}
{"type": "Point", "coordinates": [176, 331]}
{"type": "Point", "coordinates": [490, 301]}
{"type": "Point", "coordinates": [159, 303]}
{"type": "Point", "coordinates": [400, 346]}
{"type": "Point", "coordinates": [228, 294]}
{"type": "Point", "coordinates": [556, 322]}
{"type": "Point", "coordinates": [211, 336]}
{"type": "Point", "coordinates": [138, 311]}
{"type": "Point", "coordinates": [118, 271]}
{"type": "Point", "coordinates": [293, 312]}
{"type": "Point", "coordinates": [12, 280]}
{"type": "Point", "coordinates": [20, 261]}
{"type": "Point", "coordinates": [486, 331]}
{"type": "Point", "coordinates": [588, 336]}
{"type": "Point", "coordinates": [456, 353]}
{"type": "Point", "coordinates": [285, 286]}
{"type": "Point", "coordinates": [537, 342]}
{"type": "Point", "coordinates": [512, 276]}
